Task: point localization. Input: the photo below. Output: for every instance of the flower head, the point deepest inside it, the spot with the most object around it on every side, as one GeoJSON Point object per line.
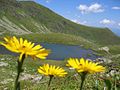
{"type": "Point", "coordinates": [50, 70]}
{"type": "Point", "coordinates": [24, 47]}
{"type": "Point", "coordinates": [83, 65]}
{"type": "Point", "coordinates": [73, 62]}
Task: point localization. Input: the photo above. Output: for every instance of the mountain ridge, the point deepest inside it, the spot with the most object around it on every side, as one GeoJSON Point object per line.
{"type": "Point", "coordinates": [27, 17]}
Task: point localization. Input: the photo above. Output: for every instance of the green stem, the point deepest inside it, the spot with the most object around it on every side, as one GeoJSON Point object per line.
{"type": "Point", "coordinates": [83, 75]}
{"type": "Point", "coordinates": [51, 76]}
{"type": "Point", "coordinates": [19, 70]}
{"type": "Point", "coordinates": [115, 82]}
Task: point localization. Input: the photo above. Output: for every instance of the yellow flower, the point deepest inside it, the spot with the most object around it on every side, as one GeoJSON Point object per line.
{"type": "Point", "coordinates": [73, 62]}
{"type": "Point", "coordinates": [83, 65]}
{"type": "Point", "coordinates": [24, 47]}
{"type": "Point", "coordinates": [50, 70]}
{"type": "Point", "coordinates": [42, 54]}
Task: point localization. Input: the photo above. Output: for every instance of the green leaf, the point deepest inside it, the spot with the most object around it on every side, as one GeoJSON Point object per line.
{"type": "Point", "coordinates": [108, 84]}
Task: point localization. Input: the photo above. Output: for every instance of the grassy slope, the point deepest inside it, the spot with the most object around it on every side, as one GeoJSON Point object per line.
{"type": "Point", "coordinates": [60, 39]}
{"type": "Point", "coordinates": [29, 13]}
{"type": "Point", "coordinates": [59, 24]}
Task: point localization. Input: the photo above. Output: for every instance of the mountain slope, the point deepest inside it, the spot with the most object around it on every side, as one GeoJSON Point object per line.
{"type": "Point", "coordinates": [27, 17]}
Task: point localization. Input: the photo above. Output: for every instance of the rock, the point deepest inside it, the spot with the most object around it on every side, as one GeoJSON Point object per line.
{"type": "Point", "coordinates": [3, 64]}
{"type": "Point", "coordinates": [114, 72]}
{"type": "Point", "coordinates": [5, 58]}
{"type": "Point", "coordinates": [2, 59]}
{"type": "Point", "coordinates": [37, 79]}
{"type": "Point", "coordinates": [71, 68]}
{"type": "Point", "coordinates": [103, 60]}
{"type": "Point", "coordinates": [8, 58]}
{"type": "Point", "coordinates": [106, 49]}
{"type": "Point", "coordinates": [27, 77]}
{"type": "Point", "coordinates": [33, 78]}
{"type": "Point", "coordinates": [76, 74]}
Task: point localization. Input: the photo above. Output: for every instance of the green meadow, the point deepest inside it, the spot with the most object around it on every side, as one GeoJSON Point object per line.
{"type": "Point", "coordinates": [31, 80]}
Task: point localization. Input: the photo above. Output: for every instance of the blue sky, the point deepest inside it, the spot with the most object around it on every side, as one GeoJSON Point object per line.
{"type": "Point", "coordinates": [100, 13]}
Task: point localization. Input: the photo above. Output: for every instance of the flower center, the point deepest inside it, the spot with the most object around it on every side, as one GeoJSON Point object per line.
{"type": "Point", "coordinates": [23, 46]}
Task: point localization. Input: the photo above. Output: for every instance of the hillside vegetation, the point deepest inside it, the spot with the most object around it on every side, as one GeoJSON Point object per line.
{"type": "Point", "coordinates": [28, 17]}
{"type": "Point", "coordinates": [37, 23]}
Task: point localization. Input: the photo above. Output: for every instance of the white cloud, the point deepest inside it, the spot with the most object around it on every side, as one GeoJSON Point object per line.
{"type": "Point", "coordinates": [83, 8]}
{"type": "Point", "coordinates": [106, 21]}
{"type": "Point", "coordinates": [75, 21]}
{"type": "Point", "coordinates": [94, 8]}
{"type": "Point", "coordinates": [116, 8]}
{"type": "Point", "coordinates": [118, 24]}
{"type": "Point", "coordinates": [79, 22]}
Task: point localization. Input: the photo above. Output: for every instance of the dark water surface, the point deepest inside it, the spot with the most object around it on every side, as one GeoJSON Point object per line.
{"type": "Point", "coordinates": [61, 52]}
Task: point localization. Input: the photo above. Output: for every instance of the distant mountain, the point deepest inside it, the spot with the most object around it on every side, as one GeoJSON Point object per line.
{"type": "Point", "coordinates": [28, 17]}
